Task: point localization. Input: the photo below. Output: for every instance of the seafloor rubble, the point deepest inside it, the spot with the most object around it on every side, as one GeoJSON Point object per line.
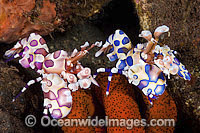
{"type": "Point", "coordinates": [181, 16]}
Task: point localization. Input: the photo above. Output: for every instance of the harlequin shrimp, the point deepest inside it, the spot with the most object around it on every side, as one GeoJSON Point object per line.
{"type": "Point", "coordinates": [60, 72]}
{"type": "Point", "coordinates": [57, 96]}
{"type": "Point", "coordinates": [146, 65]}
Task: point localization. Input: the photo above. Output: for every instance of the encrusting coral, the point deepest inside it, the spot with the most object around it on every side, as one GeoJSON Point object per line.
{"type": "Point", "coordinates": [18, 18]}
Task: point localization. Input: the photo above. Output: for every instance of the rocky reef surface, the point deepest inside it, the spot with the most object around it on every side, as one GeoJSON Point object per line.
{"type": "Point", "coordinates": [183, 19]}
{"type": "Point", "coordinates": [19, 18]}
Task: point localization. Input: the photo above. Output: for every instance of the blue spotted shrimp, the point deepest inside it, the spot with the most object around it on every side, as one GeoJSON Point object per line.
{"type": "Point", "coordinates": [146, 65]}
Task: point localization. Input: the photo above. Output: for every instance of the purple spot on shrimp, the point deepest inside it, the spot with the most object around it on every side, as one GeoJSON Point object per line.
{"type": "Point", "coordinates": [26, 49]}
{"type": "Point", "coordinates": [143, 83]}
{"type": "Point", "coordinates": [33, 43]}
{"type": "Point", "coordinates": [41, 51]}
{"type": "Point", "coordinates": [49, 95]}
{"type": "Point", "coordinates": [24, 62]}
{"type": "Point", "coordinates": [56, 54]}
{"type": "Point", "coordinates": [49, 105]}
{"type": "Point", "coordinates": [30, 59]}
{"type": "Point", "coordinates": [56, 113]}
{"type": "Point", "coordinates": [64, 98]}
{"type": "Point", "coordinates": [38, 65]}
{"type": "Point", "coordinates": [159, 90]}
{"type": "Point", "coordinates": [69, 105]}
{"type": "Point", "coordinates": [49, 63]}
{"type": "Point", "coordinates": [20, 54]}
{"type": "Point", "coordinates": [49, 83]}
{"type": "Point", "coordinates": [42, 41]}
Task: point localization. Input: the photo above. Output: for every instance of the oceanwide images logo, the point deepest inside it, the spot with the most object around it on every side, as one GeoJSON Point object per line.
{"type": "Point", "coordinates": [46, 121]}
{"type": "Point", "coordinates": [30, 120]}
